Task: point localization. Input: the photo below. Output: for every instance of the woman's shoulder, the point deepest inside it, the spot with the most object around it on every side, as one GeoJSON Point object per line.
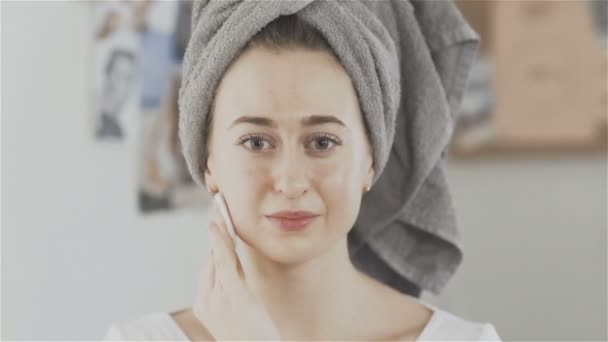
{"type": "Point", "coordinates": [445, 325]}
{"type": "Point", "coordinates": [154, 326]}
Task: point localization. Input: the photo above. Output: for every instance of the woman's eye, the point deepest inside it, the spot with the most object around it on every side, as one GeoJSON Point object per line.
{"type": "Point", "coordinates": [254, 143]}
{"type": "Point", "coordinates": [321, 143]}
{"type": "Point", "coordinates": [325, 143]}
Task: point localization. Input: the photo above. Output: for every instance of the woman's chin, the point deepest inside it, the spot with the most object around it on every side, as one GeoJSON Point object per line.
{"type": "Point", "coordinates": [290, 257]}
{"type": "Point", "coordinates": [288, 246]}
{"type": "Point", "coordinates": [289, 253]}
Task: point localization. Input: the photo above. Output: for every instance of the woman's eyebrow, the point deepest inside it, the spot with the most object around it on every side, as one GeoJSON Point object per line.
{"type": "Point", "coordinates": [321, 119]}
{"type": "Point", "coordinates": [307, 121]}
{"type": "Point", "coordinates": [255, 120]}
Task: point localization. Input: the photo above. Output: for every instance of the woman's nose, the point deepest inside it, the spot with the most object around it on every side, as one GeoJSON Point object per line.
{"type": "Point", "coordinates": [290, 175]}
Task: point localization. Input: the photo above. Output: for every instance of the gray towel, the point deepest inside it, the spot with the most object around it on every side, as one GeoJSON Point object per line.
{"type": "Point", "coordinates": [409, 61]}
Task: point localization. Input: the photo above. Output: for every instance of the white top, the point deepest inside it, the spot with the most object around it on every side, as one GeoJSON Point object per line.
{"type": "Point", "coordinates": [160, 326]}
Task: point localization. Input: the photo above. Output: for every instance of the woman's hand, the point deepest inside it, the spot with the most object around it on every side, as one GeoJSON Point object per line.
{"type": "Point", "coordinates": [225, 305]}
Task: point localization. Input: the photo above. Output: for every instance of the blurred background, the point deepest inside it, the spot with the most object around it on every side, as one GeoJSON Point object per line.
{"type": "Point", "coordinates": [101, 222]}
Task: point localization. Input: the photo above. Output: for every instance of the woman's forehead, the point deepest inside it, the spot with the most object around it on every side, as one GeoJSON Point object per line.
{"type": "Point", "coordinates": [286, 87]}
{"type": "Point", "coordinates": [341, 118]}
{"type": "Point", "coordinates": [303, 120]}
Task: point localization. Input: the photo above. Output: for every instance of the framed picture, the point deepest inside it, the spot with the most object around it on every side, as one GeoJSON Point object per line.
{"type": "Point", "coordinates": [164, 182]}
{"type": "Point", "coordinates": [538, 87]}
{"type": "Point", "coordinates": [138, 51]}
{"type": "Point", "coordinates": [115, 54]}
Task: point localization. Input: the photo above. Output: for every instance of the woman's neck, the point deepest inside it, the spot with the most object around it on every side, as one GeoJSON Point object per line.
{"type": "Point", "coordinates": [309, 299]}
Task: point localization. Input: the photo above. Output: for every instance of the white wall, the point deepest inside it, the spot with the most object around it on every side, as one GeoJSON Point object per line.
{"type": "Point", "coordinates": [76, 255]}
{"type": "Point", "coordinates": [535, 246]}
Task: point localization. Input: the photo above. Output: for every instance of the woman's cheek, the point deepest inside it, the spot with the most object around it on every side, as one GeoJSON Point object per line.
{"type": "Point", "coordinates": [243, 182]}
{"type": "Point", "coordinates": [340, 193]}
{"type": "Point", "coordinates": [252, 185]}
{"type": "Point", "coordinates": [245, 170]}
{"type": "Point", "coordinates": [256, 173]}
{"type": "Point", "coordinates": [336, 175]}
{"type": "Point", "coordinates": [246, 181]}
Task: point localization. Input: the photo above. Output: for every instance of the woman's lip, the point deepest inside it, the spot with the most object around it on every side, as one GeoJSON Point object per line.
{"type": "Point", "coordinates": [293, 224]}
{"type": "Point", "coordinates": [293, 215]}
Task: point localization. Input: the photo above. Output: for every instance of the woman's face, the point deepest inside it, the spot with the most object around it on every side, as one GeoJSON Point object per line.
{"type": "Point", "coordinates": [288, 135]}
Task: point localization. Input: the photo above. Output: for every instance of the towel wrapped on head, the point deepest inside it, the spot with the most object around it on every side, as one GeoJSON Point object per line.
{"type": "Point", "coordinates": [409, 61]}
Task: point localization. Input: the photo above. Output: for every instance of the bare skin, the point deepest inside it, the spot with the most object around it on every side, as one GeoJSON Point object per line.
{"type": "Point", "coordinates": [408, 317]}
{"type": "Point", "coordinates": [306, 281]}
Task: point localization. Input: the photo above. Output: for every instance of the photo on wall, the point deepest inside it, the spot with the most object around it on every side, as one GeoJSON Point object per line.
{"type": "Point", "coordinates": [115, 63]}
{"type": "Point", "coordinates": [137, 58]}
{"type": "Point", "coordinates": [163, 179]}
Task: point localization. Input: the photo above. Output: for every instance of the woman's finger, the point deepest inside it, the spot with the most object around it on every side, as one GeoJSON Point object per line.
{"type": "Point", "coordinates": [225, 238]}
{"type": "Point", "coordinates": [225, 262]}
{"type": "Point", "coordinates": [223, 227]}
{"type": "Point", "coordinates": [205, 288]}
{"type": "Point", "coordinates": [208, 275]}
{"type": "Point", "coordinates": [227, 257]}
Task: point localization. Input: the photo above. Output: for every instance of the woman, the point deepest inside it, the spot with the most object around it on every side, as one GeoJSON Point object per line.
{"type": "Point", "coordinates": [287, 145]}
